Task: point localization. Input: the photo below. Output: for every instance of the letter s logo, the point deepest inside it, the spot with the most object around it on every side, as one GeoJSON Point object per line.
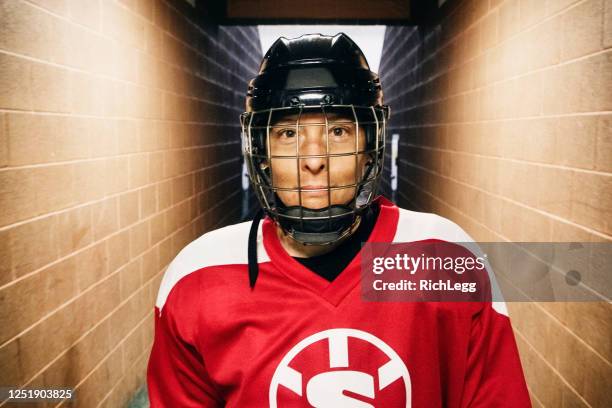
{"type": "Point", "coordinates": [324, 385]}
{"type": "Point", "coordinates": [326, 389]}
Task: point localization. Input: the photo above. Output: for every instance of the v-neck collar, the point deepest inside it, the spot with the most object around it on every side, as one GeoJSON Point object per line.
{"type": "Point", "coordinates": [332, 292]}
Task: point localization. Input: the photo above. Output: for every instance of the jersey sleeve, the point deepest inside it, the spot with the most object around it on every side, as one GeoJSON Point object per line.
{"type": "Point", "coordinates": [494, 376]}
{"type": "Point", "coordinates": [176, 372]}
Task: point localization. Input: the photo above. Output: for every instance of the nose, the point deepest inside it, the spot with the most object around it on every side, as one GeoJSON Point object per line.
{"type": "Point", "coordinates": [313, 143]}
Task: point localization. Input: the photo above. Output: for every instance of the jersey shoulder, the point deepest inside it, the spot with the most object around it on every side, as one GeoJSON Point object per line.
{"type": "Point", "coordinates": [416, 226]}
{"type": "Point", "coordinates": [223, 246]}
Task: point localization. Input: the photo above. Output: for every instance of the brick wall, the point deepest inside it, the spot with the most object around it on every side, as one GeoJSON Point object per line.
{"type": "Point", "coordinates": [503, 110]}
{"type": "Point", "coordinates": [119, 144]}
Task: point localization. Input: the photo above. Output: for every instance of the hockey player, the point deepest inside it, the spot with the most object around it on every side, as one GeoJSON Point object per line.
{"type": "Point", "coordinates": [270, 313]}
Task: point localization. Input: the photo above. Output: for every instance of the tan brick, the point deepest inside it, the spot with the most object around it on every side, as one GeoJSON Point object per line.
{"type": "Point", "coordinates": [15, 82]}
{"type": "Point", "coordinates": [54, 187]}
{"type": "Point", "coordinates": [594, 330]}
{"type": "Point", "coordinates": [139, 238]}
{"type": "Point", "coordinates": [554, 190]}
{"type": "Point", "coordinates": [182, 188]}
{"type": "Point", "coordinates": [508, 19]}
{"type": "Point", "coordinates": [591, 201]}
{"type": "Point", "coordinates": [145, 9]}
{"type": "Point", "coordinates": [105, 218]}
{"type": "Point", "coordinates": [581, 86]}
{"type": "Point", "coordinates": [31, 138]}
{"type": "Point", "coordinates": [148, 130]}
{"type": "Point", "coordinates": [92, 265]}
{"type": "Point", "coordinates": [77, 361]}
{"type": "Point", "coordinates": [128, 208]}
{"type": "Point", "coordinates": [29, 299]}
{"type": "Point", "coordinates": [586, 371]}
{"type": "Point", "coordinates": [90, 95]}
{"type": "Point", "coordinates": [536, 138]}
{"type": "Point", "coordinates": [510, 225]}
{"type": "Point", "coordinates": [529, 95]}
{"type": "Point", "coordinates": [74, 142]}
{"type": "Point", "coordinates": [129, 279]}
{"type": "Point", "coordinates": [517, 54]}
{"type": "Point", "coordinates": [11, 372]}
{"type": "Point", "coordinates": [100, 301]}
{"type": "Point", "coordinates": [122, 394]}
{"type": "Point", "coordinates": [127, 63]}
{"type": "Point", "coordinates": [50, 88]}
{"type": "Point", "coordinates": [28, 30]}
{"type": "Point", "coordinates": [48, 339]}
{"type": "Point", "coordinates": [62, 328]}
{"type": "Point", "coordinates": [156, 166]}
{"type": "Point", "coordinates": [488, 33]}
{"type": "Point", "coordinates": [127, 316]}
{"type": "Point", "coordinates": [576, 141]}
{"type": "Point", "coordinates": [182, 237]}
{"type": "Point", "coordinates": [118, 250]}
{"type": "Point", "coordinates": [603, 150]}
{"type": "Point", "coordinates": [554, 6]}
{"type": "Point", "coordinates": [194, 210]}
{"type": "Point", "coordinates": [148, 201]}
{"type": "Point", "coordinates": [164, 198]}
{"type": "Point", "coordinates": [6, 262]}
{"type": "Point", "coordinates": [541, 378]}
{"type": "Point", "coordinates": [103, 378]}
{"type": "Point", "coordinates": [532, 12]}
{"type": "Point", "coordinates": [139, 170]}
{"type": "Point", "coordinates": [607, 30]}
{"type": "Point", "coordinates": [166, 252]}
{"type": "Point", "coordinates": [34, 244]}
{"type": "Point", "coordinates": [89, 180]}
{"type": "Point", "coordinates": [85, 12]}
{"type": "Point", "coordinates": [543, 44]}
{"type": "Point", "coordinates": [4, 152]}
{"type": "Point", "coordinates": [75, 229]}
{"type": "Point", "coordinates": [118, 174]}
{"type": "Point", "coordinates": [17, 195]}
{"type": "Point", "coordinates": [102, 137]}
{"type": "Point", "coordinates": [158, 228]}
{"type": "Point", "coordinates": [83, 47]}
{"type": "Point", "coordinates": [565, 232]}
{"type": "Point", "coordinates": [582, 30]}
{"type": "Point", "coordinates": [133, 347]}
{"type": "Point", "coordinates": [181, 214]}
{"type": "Point", "coordinates": [517, 182]}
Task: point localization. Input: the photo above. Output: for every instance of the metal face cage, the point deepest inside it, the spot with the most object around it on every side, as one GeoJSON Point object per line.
{"type": "Point", "coordinates": [340, 147]}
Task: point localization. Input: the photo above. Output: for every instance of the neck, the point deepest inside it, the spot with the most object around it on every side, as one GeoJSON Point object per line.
{"type": "Point", "coordinates": [300, 250]}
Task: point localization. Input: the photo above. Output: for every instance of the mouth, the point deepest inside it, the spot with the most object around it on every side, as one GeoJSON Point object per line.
{"type": "Point", "coordinates": [314, 190]}
{"type": "Point", "coordinates": [314, 187]}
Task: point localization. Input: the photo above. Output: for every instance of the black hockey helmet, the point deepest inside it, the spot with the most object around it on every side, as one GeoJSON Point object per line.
{"type": "Point", "coordinates": [314, 74]}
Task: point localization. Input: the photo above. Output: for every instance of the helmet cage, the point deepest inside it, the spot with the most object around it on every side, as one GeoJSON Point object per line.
{"type": "Point", "coordinates": [329, 224]}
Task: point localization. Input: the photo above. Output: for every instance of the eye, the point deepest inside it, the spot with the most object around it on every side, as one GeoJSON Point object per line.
{"type": "Point", "coordinates": [286, 133]}
{"type": "Point", "coordinates": [339, 131]}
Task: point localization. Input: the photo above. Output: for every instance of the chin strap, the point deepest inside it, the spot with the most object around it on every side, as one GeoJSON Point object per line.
{"type": "Point", "coordinates": [252, 249]}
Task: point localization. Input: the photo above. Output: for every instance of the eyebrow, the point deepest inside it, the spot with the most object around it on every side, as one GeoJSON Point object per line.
{"type": "Point", "coordinates": [291, 120]}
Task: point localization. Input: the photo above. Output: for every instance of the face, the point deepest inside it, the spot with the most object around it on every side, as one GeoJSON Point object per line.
{"type": "Point", "coordinates": [313, 171]}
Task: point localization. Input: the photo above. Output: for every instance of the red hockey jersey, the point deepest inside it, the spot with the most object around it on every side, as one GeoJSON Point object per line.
{"type": "Point", "coordinates": [297, 340]}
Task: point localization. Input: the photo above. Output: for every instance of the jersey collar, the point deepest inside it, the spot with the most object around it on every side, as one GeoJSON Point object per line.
{"type": "Point", "coordinates": [333, 292]}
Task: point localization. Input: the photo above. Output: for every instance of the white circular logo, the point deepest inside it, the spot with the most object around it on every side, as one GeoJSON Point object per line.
{"type": "Point", "coordinates": [343, 382]}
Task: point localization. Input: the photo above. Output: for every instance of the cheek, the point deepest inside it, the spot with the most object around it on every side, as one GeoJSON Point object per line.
{"type": "Point", "coordinates": [283, 170]}
{"type": "Point", "coordinates": [343, 168]}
